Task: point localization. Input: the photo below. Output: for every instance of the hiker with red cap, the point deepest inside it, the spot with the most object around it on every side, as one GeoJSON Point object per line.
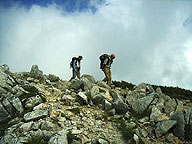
{"type": "Point", "coordinates": [105, 65]}
{"type": "Point", "coordinates": [75, 65]}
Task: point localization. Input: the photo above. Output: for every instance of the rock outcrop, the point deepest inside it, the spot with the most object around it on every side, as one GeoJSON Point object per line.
{"type": "Point", "coordinates": [39, 108]}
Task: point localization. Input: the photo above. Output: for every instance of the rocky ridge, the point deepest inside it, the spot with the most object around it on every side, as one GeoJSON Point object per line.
{"type": "Point", "coordinates": [39, 108]}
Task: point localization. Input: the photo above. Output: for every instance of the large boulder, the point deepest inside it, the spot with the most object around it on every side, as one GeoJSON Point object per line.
{"type": "Point", "coordinates": [4, 115]}
{"type": "Point", "coordinates": [140, 105]}
{"type": "Point", "coordinates": [35, 115]}
{"type": "Point", "coordinates": [53, 78]}
{"type": "Point", "coordinates": [59, 138]}
{"type": "Point", "coordinates": [36, 73]}
{"type": "Point", "coordinates": [6, 82]}
{"type": "Point", "coordinates": [121, 107]}
{"type": "Point", "coordinates": [163, 127]}
{"type": "Point", "coordinates": [90, 78]}
{"type": "Point", "coordinates": [179, 129]}
{"type": "Point", "coordinates": [77, 84]}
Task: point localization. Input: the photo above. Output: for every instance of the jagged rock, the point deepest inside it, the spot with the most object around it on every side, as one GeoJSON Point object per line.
{"type": "Point", "coordinates": [179, 129]}
{"type": "Point", "coordinates": [103, 84]}
{"type": "Point", "coordinates": [53, 78]}
{"type": "Point", "coordinates": [170, 106]}
{"type": "Point", "coordinates": [170, 138]}
{"type": "Point", "coordinates": [89, 77]}
{"type": "Point", "coordinates": [26, 127]}
{"type": "Point", "coordinates": [4, 115]}
{"type": "Point", "coordinates": [77, 84]}
{"type": "Point", "coordinates": [187, 113]}
{"type": "Point", "coordinates": [156, 114]}
{"type": "Point", "coordinates": [82, 98]}
{"type": "Point", "coordinates": [136, 139]}
{"type": "Point", "coordinates": [33, 101]}
{"type": "Point", "coordinates": [4, 68]}
{"type": "Point", "coordinates": [188, 126]}
{"type": "Point", "coordinates": [163, 127]}
{"type": "Point", "coordinates": [9, 139]}
{"type": "Point", "coordinates": [68, 100]}
{"type": "Point", "coordinates": [160, 104]}
{"type": "Point", "coordinates": [140, 105]}
{"type": "Point", "coordinates": [144, 89]}
{"type": "Point", "coordinates": [86, 83]}
{"type": "Point", "coordinates": [179, 105]}
{"type": "Point", "coordinates": [6, 81]}
{"type": "Point", "coordinates": [94, 91]}
{"type": "Point", "coordinates": [59, 138]}
{"type": "Point", "coordinates": [16, 103]}
{"type": "Point", "coordinates": [121, 107]}
{"type": "Point", "coordinates": [36, 73]}
{"type": "Point", "coordinates": [99, 98]}
{"type": "Point", "coordinates": [133, 96]}
{"type": "Point", "coordinates": [35, 115]}
{"type": "Point", "coordinates": [108, 105]}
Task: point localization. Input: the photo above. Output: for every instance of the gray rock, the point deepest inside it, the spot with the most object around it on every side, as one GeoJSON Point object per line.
{"type": "Point", "coordinates": [179, 129]}
{"type": "Point", "coordinates": [179, 106]}
{"type": "Point", "coordinates": [170, 137]}
{"type": "Point", "coordinates": [77, 84]}
{"type": "Point", "coordinates": [140, 105]}
{"type": "Point", "coordinates": [36, 73]}
{"type": "Point", "coordinates": [6, 81]}
{"type": "Point", "coordinates": [87, 84]}
{"type": "Point", "coordinates": [94, 91]}
{"type": "Point", "coordinates": [170, 106]}
{"type": "Point", "coordinates": [59, 138]}
{"type": "Point", "coordinates": [108, 105]}
{"type": "Point", "coordinates": [103, 84]}
{"type": "Point", "coordinates": [187, 113]}
{"type": "Point", "coordinates": [121, 107]}
{"type": "Point", "coordinates": [33, 101]}
{"type": "Point", "coordinates": [26, 127]}
{"type": "Point", "coordinates": [68, 100]}
{"type": "Point", "coordinates": [156, 114]}
{"type": "Point", "coordinates": [188, 128]}
{"type": "Point", "coordinates": [99, 98]}
{"type": "Point", "coordinates": [35, 115]}
{"type": "Point", "coordinates": [16, 103]}
{"type": "Point", "coordinates": [4, 115]}
{"type": "Point", "coordinates": [163, 127]}
{"type": "Point", "coordinates": [10, 109]}
{"type": "Point", "coordinates": [133, 96]}
{"type": "Point", "coordinates": [82, 98]}
{"type": "Point", "coordinates": [146, 87]}
{"type": "Point", "coordinates": [89, 77]}
{"type": "Point", "coordinates": [46, 125]}
{"type": "Point", "coordinates": [136, 139]}
{"type": "Point", "coordinates": [53, 78]}
{"type": "Point", "coordinates": [9, 139]}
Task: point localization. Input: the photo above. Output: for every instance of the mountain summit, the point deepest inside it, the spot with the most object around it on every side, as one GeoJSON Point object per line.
{"type": "Point", "coordinates": [44, 109]}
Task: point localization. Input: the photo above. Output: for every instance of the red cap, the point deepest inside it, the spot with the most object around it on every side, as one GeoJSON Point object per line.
{"type": "Point", "coordinates": [112, 56]}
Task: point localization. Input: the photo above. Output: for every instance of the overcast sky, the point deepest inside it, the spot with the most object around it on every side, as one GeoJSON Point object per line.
{"type": "Point", "coordinates": [152, 39]}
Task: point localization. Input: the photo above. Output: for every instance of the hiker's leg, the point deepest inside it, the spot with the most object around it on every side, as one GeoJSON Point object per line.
{"type": "Point", "coordinates": [105, 79]}
{"type": "Point", "coordinates": [108, 76]}
{"type": "Point", "coordinates": [78, 75]}
{"type": "Point", "coordinates": [74, 75]}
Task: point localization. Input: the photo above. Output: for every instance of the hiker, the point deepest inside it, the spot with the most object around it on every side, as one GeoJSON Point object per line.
{"type": "Point", "coordinates": [105, 65]}
{"type": "Point", "coordinates": [75, 65]}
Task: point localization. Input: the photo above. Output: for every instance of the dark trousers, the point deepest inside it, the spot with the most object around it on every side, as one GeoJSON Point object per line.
{"type": "Point", "coordinates": [75, 73]}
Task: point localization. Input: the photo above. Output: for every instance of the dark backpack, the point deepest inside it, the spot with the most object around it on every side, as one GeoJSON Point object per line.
{"type": "Point", "coordinates": [71, 63]}
{"type": "Point", "coordinates": [102, 58]}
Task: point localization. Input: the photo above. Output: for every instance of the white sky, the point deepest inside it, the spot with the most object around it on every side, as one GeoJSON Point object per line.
{"type": "Point", "coordinates": [151, 42]}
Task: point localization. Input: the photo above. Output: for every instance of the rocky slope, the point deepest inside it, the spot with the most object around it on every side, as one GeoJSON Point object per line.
{"type": "Point", "coordinates": [39, 108]}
